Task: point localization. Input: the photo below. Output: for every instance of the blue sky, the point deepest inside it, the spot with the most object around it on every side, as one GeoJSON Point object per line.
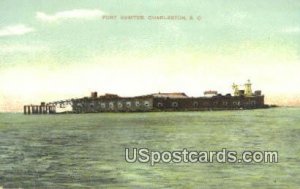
{"type": "Point", "coordinates": [61, 49]}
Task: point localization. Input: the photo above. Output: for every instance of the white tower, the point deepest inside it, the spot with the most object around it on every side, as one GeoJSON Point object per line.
{"type": "Point", "coordinates": [248, 90]}
{"type": "Point", "coordinates": [235, 89]}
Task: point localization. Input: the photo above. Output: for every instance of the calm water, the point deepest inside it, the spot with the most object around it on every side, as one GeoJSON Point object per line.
{"type": "Point", "coordinates": [88, 150]}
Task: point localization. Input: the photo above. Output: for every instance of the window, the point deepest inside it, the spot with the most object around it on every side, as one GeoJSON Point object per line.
{"type": "Point", "coordinates": [146, 103]}
{"type": "Point", "coordinates": [160, 104]}
{"type": "Point", "coordinates": [111, 105]}
{"type": "Point", "coordinates": [196, 104]}
{"type": "Point", "coordinates": [103, 105]}
{"type": "Point", "coordinates": [225, 103]}
{"type": "Point", "coordinates": [92, 105]}
{"type": "Point", "coordinates": [137, 103]}
{"type": "Point", "coordinates": [128, 104]}
{"type": "Point", "coordinates": [120, 105]}
{"type": "Point", "coordinates": [236, 103]}
{"type": "Point", "coordinates": [174, 104]}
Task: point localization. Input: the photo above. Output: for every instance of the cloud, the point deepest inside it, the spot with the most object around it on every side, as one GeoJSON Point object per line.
{"type": "Point", "coordinates": [19, 29]}
{"type": "Point", "coordinates": [294, 29]}
{"type": "Point", "coordinates": [20, 48]}
{"type": "Point", "coordinates": [70, 14]}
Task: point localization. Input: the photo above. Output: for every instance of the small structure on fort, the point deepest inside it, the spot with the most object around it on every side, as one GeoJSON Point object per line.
{"type": "Point", "coordinates": [241, 98]}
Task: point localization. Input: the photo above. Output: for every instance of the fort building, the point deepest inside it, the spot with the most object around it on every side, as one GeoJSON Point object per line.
{"type": "Point", "coordinates": [241, 98]}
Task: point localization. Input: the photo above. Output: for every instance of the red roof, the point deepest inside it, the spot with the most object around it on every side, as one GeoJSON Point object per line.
{"type": "Point", "coordinates": [170, 95]}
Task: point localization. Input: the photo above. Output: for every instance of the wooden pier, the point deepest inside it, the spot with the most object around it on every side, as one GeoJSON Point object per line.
{"type": "Point", "coordinates": [39, 109]}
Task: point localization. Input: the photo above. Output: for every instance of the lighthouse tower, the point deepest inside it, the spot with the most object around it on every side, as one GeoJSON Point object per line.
{"type": "Point", "coordinates": [248, 90]}
{"type": "Point", "coordinates": [235, 88]}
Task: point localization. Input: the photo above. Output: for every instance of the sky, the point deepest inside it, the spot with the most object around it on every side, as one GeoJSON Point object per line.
{"type": "Point", "coordinates": [60, 49]}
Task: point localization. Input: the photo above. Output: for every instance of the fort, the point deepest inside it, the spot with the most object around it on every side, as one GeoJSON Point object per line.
{"type": "Point", "coordinates": [178, 101]}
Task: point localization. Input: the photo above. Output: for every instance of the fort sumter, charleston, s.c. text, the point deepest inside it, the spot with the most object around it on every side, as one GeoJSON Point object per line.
{"type": "Point", "coordinates": [153, 17]}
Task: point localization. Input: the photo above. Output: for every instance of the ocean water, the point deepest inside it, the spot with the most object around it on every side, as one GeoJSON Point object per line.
{"type": "Point", "coordinates": [88, 150]}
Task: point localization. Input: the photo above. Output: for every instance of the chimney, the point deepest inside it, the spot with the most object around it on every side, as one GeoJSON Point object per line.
{"type": "Point", "coordinates": [94, 94]}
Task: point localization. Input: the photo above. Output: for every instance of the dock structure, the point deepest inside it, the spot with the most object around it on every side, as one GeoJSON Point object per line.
{"type": "Point", "coordinates": [39, 109]}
